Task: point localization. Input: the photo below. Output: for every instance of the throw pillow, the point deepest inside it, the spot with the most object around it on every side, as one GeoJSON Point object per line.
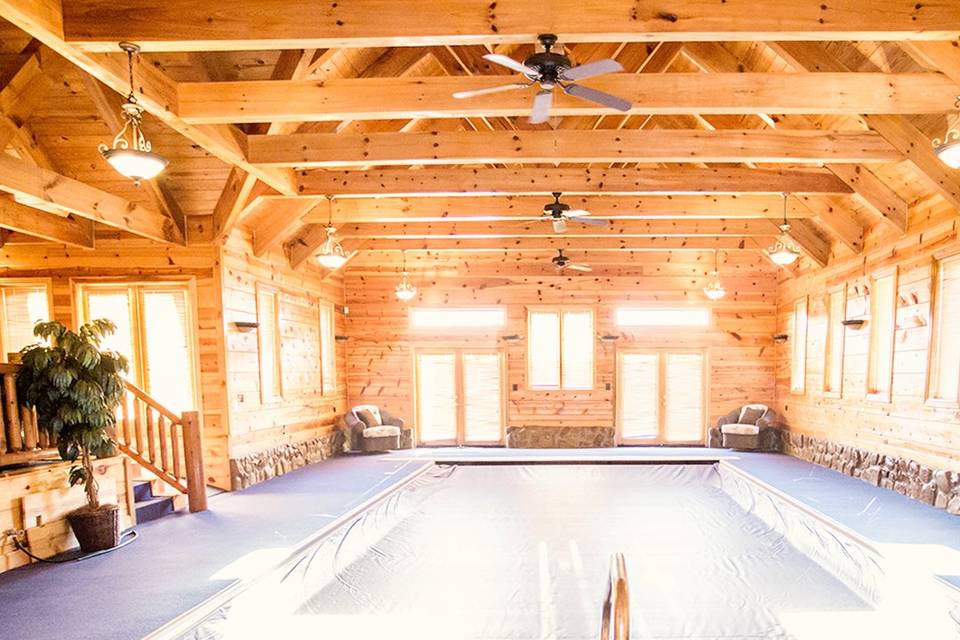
{"type": "Point", "coordinates": [750, 415]}
{"type": "Point", "coordinates": [367, 418]}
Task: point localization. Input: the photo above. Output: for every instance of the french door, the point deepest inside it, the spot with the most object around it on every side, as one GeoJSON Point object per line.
{"type": "Point", "coordinates": [155, 332]}
{"type": "Point", "coordinates": [460, 396]}
{"type": "Point", "coordinates": [661, 396]}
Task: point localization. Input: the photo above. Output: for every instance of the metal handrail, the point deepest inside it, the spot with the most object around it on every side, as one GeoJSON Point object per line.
{"type": "Point", "coordinates": [615, 619]}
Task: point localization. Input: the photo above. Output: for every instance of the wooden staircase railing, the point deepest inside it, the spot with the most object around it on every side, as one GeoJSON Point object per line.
{"type": "Point", "coordinates": [167, 445]}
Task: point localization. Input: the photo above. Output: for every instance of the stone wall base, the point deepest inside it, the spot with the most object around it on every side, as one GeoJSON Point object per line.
{"type": "Point", "coordinates": [559, 437]}
{"type": "Point", "coordinates": [270, 463]}
{"type": "Point", "coordinates": [935, 487]}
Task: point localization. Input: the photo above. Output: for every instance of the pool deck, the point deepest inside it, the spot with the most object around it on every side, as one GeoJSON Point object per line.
{"type": "Point", "coordinates": [180, 561]}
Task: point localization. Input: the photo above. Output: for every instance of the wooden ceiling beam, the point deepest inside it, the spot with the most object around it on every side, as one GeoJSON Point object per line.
{"type": "Point", "coordinates": [283, 219]}
{"type": "Point", "coordinates": [318, 150]}
{"type": "Point", "coordinates": [70, 230]}
{"type": "Point", "coordinates": [836, 218]}
{"type": "Point", "coordinates": [179, 25]}
{"type": "Point", "coordinates": [478, 182]}
{"type": "Point", "coordinates": [157, 92]}
{"type": "Point", "coordinates": [465, 208]}
{"type": "Point", "coordinates": [484, 245]}
{"type": "Point", "coordinates": [23, 88]}
{"type": "Point", "coordinates": [50, 189]}
{"type": "Point", "coordinates": [668, 93]}
{"type": "Point", "coordinates": [805, 234]}
{"type": "Point", "coordinates": [942, 55]}
{"type": "Point", "coordinates": [898, 130]}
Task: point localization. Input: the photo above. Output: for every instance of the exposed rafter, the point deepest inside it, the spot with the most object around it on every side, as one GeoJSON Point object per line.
{"type": "Point", "coordinates": [67, 229]}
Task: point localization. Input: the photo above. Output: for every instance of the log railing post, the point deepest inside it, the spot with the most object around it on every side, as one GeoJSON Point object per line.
{"type": "Point", "coordinates": [193, 461]}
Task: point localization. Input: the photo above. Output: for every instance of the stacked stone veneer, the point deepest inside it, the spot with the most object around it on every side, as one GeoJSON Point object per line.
{"type": "Point", "coordinates": [270, 463]}
{"type": "Point", "coordinates": [935, 487]}
{"type": "Point", "coordinates": [560, 437]}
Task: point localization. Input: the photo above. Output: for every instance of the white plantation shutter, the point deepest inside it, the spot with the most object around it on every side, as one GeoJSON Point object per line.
{"type": "Point", "coordinates": [114, 305]}
{"type": "Point", "coordinates": [328, 359]}
{"type": "Point", "coordinates": [945, 363]}
{"type": "Point", "coordinates": [577, 350]}
{"type": "Point", "coordinates": [798, 361]}
{"type": "Point", "coordinates": [437, 392]}
{"type": "Point", "coordinates": [544, 349]}
{"type": "Point", "coordinates": [833, 376]}
{"type": "Point", "coordinates": [167, 348]}
{"type": "Point", "coordinates": [639, 395]}
{"type": "Point", "coordinates": [883, 319]}
{"type": "Point", "coordinates": [23, 307]}
{"type": "Point", "coordinates": [482, 397]}
{"type": "Point", "coordinates": [684, 397]}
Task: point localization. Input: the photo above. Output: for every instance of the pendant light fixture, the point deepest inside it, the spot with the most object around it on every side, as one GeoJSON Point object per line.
{"type": "Point", "coordinates": [714, 290]}
{"type": "Point", "coordinates": [784, 252]}
{"type": "Point", "coordinates": [132, 158]}
{"type": "Point", "coordinates": [948, 148]}
{"type": "Point", "coordinates": [331, 255]}
{"type": "Point", "coordinates": [405, 290]}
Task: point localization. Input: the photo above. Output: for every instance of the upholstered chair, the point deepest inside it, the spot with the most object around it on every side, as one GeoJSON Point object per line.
{"type": "Point", "coordinates": [371, 429]}
{"type": "Point", "coordinates": [744, 428]}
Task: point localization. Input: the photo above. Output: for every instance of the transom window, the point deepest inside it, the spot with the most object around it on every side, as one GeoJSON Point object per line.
{"type": "Point", "coordinates": [662, 316]}
{"type": "Point", "coordinates": [560, 348]}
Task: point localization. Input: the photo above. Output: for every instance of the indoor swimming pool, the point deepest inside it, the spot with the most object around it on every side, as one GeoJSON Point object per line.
{"type": "Point", "coordinates": [522, 551]}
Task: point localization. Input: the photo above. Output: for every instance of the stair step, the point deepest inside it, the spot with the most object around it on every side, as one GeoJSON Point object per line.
{"type": "Point", "coordinates": [142, 491]}
{"type": "Point", "coordinates": [159, 507]}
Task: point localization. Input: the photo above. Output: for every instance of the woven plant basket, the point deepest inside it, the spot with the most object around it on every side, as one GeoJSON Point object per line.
{"type": "Point", "coordinates": [96, 530]}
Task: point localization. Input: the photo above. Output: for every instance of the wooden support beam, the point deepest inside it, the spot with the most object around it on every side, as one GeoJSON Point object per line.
{"type": "Point", "coordinates": [836, 219]}
{"type": "Point", "coordinates": [481, 208]}
{"type": "Point", "coordinates": [52, 189]}
{"type": "Point", "coordinates": [484, 245]}
{"type": "Point", "coordinates": [667, 93]}
{"type": "Point", "coordinates": [23, 88]}
{"type": "Point", "coordinates": [283, 219]}
{"type": "Point", "coordinates": [157, 92]}
{"type": "Point", "coordinates": [178, 25]}
{"type": "Point", "coordinates": [71, 230]}
{"type": "Point", "coordinates": [873, 192]}
{"type": "Point", "coordinates": [805, 234]}
{"type": "Point", "coordinates": [899, 131]}
{"type": "Point", "coordinates": [477, 182]}
{"type": "Point", "coordinates": [314, 150]}
{"type": "Point", "coordinates": [507, 230]}
{"type": "Point", "coordinates": [942, 55]}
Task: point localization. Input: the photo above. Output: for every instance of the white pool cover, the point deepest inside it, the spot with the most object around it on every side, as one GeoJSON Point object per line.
{"type": "Point", "coordinates": [522, 551]}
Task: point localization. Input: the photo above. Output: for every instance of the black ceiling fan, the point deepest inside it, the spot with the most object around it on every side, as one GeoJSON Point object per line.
{"type": "Point", "coordinates": [561, 262]}
{"type": "Point", "coordinates": [548, 70]}
{"type": "Point", "coordinates": [559, 213]}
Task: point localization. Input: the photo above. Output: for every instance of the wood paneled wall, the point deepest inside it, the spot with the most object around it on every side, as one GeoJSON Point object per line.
{"type": "Point", "coordinates": [304, 411]}
{"type": "Point", "coordinates": [379, 365]}
{"type": "Point", "coordinates": [904, 426]}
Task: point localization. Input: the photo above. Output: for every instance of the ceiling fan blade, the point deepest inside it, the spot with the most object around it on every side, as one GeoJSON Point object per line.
{"type": "Point", "coordinates": [576, 213]}
{"type": "Point", "coordinates": [541, 107]}
{"type": "Point", "coordinates": [579, 267]}
{"type": "Point", "coordinates": [607, 100]}
{"type": "Point", "coordinates": [591, 221]}
{"type": "Point", "coordinates": [592, 69]}
{"type": "Point", "coordinates": [483, 92]}
{"type": "Point", "coordinates": [559, 225]}
{"type": "Point", "coordinates": [510, 63]}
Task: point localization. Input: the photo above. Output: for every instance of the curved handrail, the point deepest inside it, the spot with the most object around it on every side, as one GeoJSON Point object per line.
{"type": "Point", "coordinates": [615, 619]}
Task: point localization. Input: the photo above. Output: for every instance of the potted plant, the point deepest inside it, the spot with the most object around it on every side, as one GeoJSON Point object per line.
{"type": "Point", "coordinates": [76, 387]}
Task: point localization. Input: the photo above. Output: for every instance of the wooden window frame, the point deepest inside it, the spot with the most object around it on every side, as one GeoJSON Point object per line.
{"type": "Point", "coordinates": [802, 389]}
{"type": "Point", "coordinates": [935, 336]}
{"type": "Point", "coordinates": [21, 282]}
{"type": "Point", "coordinates": [661, 437]}
{"type": "Point", "coordinates": [460, 394]}
{"type": "Point", "coordinates": [331, 339]}
{"type": "Point", "coordinates": [134, 288]}
{"type": "Point", "coordinates": [886, 396]}
{"type": "Point", "coordinates": [560, 309]}
{"type": "Point", "coordinates": [274, 396]}
{"type": "Point", "coordinates": [828, 352]}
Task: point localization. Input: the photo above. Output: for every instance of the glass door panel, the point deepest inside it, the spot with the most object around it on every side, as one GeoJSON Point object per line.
{"type": "Point", "coordinates": [114, 305]}
{"type": "Point", "coordinates": [166, 335]}
{"type": "Point", "coordinates": [437, 397]}
{"type": "Point", "coordinates": [482, 398]}
{"type": "Point", "coordinates": [683, 397]}
{"type": "Point", "coordinates": [639, 395]}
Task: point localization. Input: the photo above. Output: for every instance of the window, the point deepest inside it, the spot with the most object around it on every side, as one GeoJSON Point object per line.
{"type": "Point", "coordinates": [480, 317]}
{"type": "Point", "coordinates": [883, 310]}
{"type": "Point", "coordinates": [560, 349]}
{"type": "Point", "coordinates": [662, 317]}
{"type": "Point", "coordinates": [833, 368]}
{"type": "Point", "coordinates": [268, 343]}
{"type": "Point", "coordinates": [944, 380]}
{"type": "Point", "coordinates": [155, 331]}
{"type": "Point", "coordinates": [24, 304]}
{"type": "Point", "coordinates": [328, 357]}
{"type": "Point", "coordinates": [798, 361]}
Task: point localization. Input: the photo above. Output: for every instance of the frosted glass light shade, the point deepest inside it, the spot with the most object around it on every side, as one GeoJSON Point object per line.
{"type": "Point", "coordinates": [134, 164]}
{"type": "Point", "coordinates": [949, 153]}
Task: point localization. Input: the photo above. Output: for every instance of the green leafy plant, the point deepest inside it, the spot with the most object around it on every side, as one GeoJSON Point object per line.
{"type": "Point", "coordinates": [76, 388]}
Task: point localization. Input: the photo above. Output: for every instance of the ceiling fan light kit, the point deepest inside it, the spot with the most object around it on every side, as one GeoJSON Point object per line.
{"type": "Point", "coordinates": [547, 69]}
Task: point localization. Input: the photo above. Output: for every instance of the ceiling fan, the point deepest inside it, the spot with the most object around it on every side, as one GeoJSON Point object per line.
{"type": "Point", "coordinates": [548, 70]}
{"type": "Point", "coordinates": [562, 262]}
{"type": "Point", "coordinates": [560, 213]}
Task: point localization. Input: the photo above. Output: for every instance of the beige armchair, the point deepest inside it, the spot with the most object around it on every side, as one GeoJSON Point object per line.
{"type": "Point", "coordinates": [742, 428]}
{"type": "Point", "coordinates": [371, 429]}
